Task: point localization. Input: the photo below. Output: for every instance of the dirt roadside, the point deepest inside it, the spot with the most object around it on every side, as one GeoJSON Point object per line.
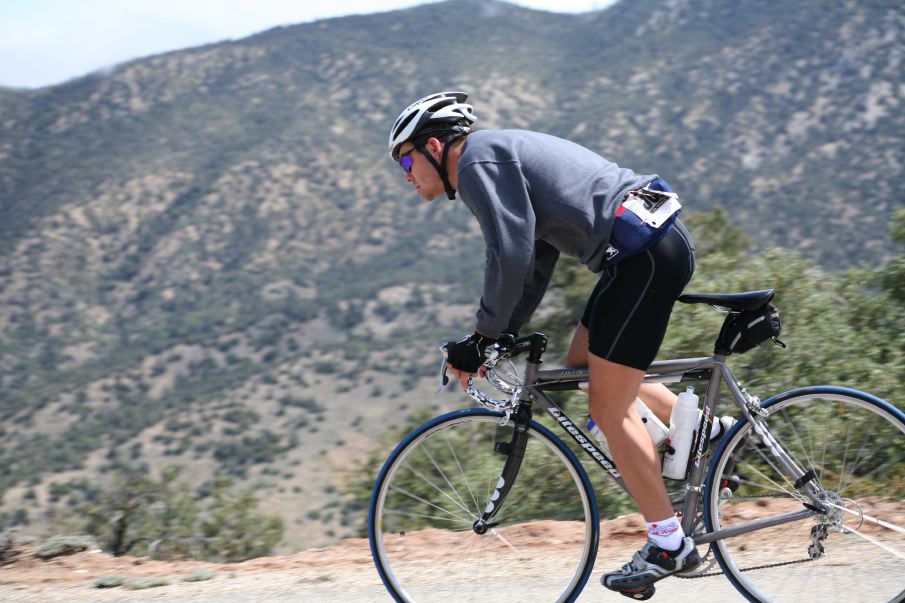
{"type": "Point", "coordinates": [345, 571]}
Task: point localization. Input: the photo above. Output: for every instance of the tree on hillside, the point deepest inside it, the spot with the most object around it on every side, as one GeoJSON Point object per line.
{"type": "Point", "coordinates": [233, 531]}
{"type": "Point", "coordinates": [892, 276]}
{"type": "Point", "coordinates": [137, 511]}
{"type": "Point", "coordinates": [877, 300]}
{"type": "Point", "coordinates": [164, 518]}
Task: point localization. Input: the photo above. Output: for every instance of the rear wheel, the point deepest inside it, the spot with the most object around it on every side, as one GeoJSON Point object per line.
{"type": "Point", "coordinates": [436, 484]}
{"type": "Point", "coordinates": [855, 551]}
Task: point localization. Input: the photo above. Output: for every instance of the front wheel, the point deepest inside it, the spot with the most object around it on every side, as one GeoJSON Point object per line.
{"type": "Point", "coordinates": [438, 481]}
{"type": "Point", "coordinates": [852, 551]}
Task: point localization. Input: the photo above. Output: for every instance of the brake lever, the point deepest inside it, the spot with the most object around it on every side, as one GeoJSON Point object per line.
{"type": "Point", "coordinates": [444, 378]}
{"type": "Point", "coordinates": [491, 354]}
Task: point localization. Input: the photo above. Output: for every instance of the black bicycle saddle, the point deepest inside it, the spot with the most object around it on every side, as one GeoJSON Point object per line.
{"type": "Point", "coordinates": [751, 300]}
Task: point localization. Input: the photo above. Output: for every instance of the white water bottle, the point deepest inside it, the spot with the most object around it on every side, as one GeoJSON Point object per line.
{"type": "Point", "coordinates": [682, 423]}
{"type": "Point", "coordinates": [597, 434]}
{"type": "Point", "coordinates": [655, 426]}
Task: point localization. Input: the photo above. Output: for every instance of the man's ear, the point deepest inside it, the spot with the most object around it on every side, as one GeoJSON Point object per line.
{"type": "Point", "coordinates": [434, 147]}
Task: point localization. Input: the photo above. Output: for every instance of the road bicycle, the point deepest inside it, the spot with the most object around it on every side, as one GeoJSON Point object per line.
{"type": "Point", "coordinates": [801, 500]}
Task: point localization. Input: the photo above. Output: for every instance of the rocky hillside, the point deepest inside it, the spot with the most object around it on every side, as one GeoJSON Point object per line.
{"type": "Point", "coordinates": [207, 259]}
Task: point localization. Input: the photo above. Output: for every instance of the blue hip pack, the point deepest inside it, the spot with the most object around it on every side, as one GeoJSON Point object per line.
{"type": "Point", "coordinates": [642, 220]}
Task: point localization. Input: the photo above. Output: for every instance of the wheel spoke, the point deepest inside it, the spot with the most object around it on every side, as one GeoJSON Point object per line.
{"type": "Point", "coordinates": [848, 435]}
{"type": "Point", "coordinates": [502, 538]}
{"type": "Point", "coordinates": [776, 486]}
{"type": "Point", "coordinates": [856, 447]}
{"type": "Point", "coordinates": [870, 519]}
{"type": "Point", "coordinates": [427, 502]}
{"type": "Point", "coordinates": [513, 500]}
{"type": "Point", "coordinates": [790, 428]}
{"type": "Point", "coordinates": [426, 516]}
{"type": "Point", "coordinates": [457, 501]}
{"type": "Point", "coordinates": [442, 473]}
{"type": "Point", "coordinates": [898, 459]}
{"type": "Point", "coordinates": [875, 542]}
{"type": "Point", "coordinates": [421, 521]}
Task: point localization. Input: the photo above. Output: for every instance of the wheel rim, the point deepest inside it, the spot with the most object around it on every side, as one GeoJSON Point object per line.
{"type": "Point", "coordinates": [853, 551]}
{"type": "Point", "coordinates": [438, 485]}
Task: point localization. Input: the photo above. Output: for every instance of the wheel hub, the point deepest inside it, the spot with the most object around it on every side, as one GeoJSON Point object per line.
{"type": "Point", "coordinates": [480, 526]}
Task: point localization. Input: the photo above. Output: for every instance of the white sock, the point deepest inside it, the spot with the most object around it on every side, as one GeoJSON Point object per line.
{"type": "Point", "coordinates": [716, 430]}
{"type": "Point", "coordinates": [666, 534]}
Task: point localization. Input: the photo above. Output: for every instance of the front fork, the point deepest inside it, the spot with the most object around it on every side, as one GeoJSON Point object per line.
{"type": "Point", "coordinates": [514, 450]}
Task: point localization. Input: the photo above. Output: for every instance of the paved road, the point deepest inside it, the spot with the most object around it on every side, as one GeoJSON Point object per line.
{"type": "Point", "coordinates": [346, 573]}
{"type": "Point", "coordinates": [290, 589]}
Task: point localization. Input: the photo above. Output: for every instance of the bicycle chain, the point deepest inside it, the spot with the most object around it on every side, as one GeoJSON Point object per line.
{"type": "Point", "coordinates": [707, 556]}
{"type": "Point", "coordinates": [745, 569]}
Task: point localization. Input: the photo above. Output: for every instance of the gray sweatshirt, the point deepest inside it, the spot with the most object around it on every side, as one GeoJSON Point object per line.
{"type": "Point", "coordinates": [536, 196]}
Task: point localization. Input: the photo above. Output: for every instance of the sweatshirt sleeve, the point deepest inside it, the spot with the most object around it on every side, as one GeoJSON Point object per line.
{"type": "Point", "coordinates": [497, 194]}
{"type": "Point", "coordinates": [545, 258]}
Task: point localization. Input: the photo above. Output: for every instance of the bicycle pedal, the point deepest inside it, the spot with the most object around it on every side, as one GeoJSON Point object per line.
{"type": "Point", "coordinates": [639, 595]}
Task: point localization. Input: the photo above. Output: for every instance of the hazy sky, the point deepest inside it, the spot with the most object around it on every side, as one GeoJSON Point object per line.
{"type": "Point", "coordinates": [45, 42]}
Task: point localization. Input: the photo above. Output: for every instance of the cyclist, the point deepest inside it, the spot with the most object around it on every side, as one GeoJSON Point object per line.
{"type": "Point", "coordinates": [536, 196]}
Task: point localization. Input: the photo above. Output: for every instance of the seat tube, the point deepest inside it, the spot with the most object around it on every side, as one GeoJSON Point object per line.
{"type": "Point", "coordinates": [698, 468]}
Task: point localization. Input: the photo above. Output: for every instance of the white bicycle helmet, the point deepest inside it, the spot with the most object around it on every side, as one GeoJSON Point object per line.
{"type": "Point", "coordinates": [440, 112]}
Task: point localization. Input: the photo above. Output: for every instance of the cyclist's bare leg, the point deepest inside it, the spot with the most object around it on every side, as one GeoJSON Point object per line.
{"type": "Point", "coordinates": [656, 396]}
{"type": "Point", "coordinates": [613, 388]}
{"type": "Point", "coordinates": [578, 349]}
{"type": "Point", "coordinates": [659, 399]}
{"type": "Point", "coordinates": [611, 403]}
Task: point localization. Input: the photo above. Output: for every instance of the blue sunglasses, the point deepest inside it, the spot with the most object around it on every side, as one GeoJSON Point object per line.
{"type": "Point", "coordinates": [405, 161]}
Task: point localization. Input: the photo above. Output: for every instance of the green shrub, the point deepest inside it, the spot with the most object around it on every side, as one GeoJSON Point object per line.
{"type": "Point", "coordinates": [200, 575]}
{"type": "Point", "coordinates": [143, 583]}
{"type": "Point", "coordinates": [56, 546]}
{"type": "Point", "coordinates": [109, 582]}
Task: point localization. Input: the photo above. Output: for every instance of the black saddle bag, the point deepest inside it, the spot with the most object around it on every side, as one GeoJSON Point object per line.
{"type": "Point", "coordinates": [745, 330]}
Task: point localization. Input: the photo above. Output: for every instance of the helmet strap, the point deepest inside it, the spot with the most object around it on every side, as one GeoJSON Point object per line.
{"type": "Point", "coordinates": [441, 167]}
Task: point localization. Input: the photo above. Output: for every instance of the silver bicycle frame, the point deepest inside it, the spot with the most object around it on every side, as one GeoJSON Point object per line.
{"type": "Point", "coordinates": [712, 369]}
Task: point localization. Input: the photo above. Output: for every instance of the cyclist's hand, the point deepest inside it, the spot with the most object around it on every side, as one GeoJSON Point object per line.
{"type": "Point", "coordinates": [463, 377]}
{"type": "Point", "coordinates": [466, 356]}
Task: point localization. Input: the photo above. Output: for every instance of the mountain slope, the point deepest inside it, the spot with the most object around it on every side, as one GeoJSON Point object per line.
{"type": "Point", "coordinates": [208, 259]}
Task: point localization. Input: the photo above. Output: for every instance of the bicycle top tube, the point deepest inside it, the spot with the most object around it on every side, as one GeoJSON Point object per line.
{"type": "Point", "coordinates": [662, 371]}
{"type": "Point", "coordinates": [509, 381]}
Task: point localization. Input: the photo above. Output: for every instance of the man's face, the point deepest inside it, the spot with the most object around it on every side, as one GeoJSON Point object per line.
{"type": "Point", "coordinates": [423, 176]}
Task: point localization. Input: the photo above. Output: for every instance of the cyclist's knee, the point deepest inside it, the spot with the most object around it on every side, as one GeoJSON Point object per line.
{"type": "Point", "coordinates": [578, 349]}
{"type": "Point", "coordinates": [612, 381]}
{"type": "Point", "coordinates": [612, 389]}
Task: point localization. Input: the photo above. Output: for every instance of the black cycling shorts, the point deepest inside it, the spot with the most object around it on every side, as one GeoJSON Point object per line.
{"type": "Point", "coordinates": [628, 311]}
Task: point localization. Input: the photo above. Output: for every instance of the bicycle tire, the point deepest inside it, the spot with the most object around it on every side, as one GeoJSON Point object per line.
{"type": "Point", "coordinates": [855, 443]}
{"type": "Point", "coordinates": [437, 482]}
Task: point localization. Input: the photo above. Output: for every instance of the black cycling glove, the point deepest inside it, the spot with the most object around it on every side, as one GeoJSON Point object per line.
{"type": "Point", "coordinates": [467, 354]}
